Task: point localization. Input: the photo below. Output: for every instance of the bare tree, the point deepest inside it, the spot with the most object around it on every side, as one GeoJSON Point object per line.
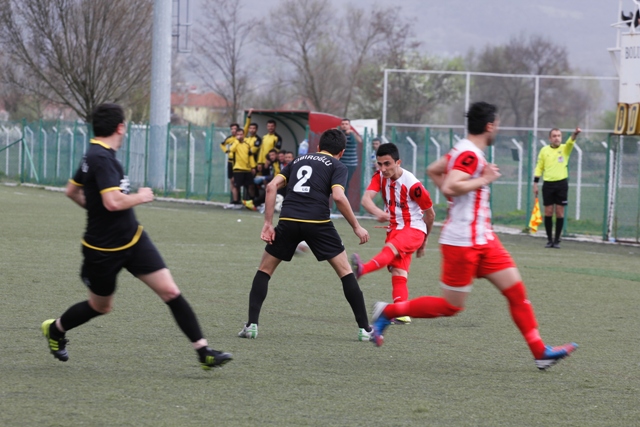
{"type": "Point", "coordinates": [534, 55]}
{"type": "Point", "coordinates": [412, 98]}
{"type": "Point", "coordinates": [78, 53]}
{"type": "Point", "coordinates": [219, 42]}
{"type": "Point", "coordinates": [302, 34]}
{"type": "Point", "coordinates": [366, 33]}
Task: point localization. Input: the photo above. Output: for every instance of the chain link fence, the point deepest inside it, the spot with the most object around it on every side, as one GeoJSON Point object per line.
{"type": "Point", "coordinates": [604, 170]}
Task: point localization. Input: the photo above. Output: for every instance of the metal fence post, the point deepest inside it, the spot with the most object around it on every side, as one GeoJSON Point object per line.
{"type": "Point", "coordinates": [427, 137]}
{"type": "Point", "coordinates": [56, 129]}
{"type": "Point", "coordinates": [209, 143]}
{"type": "Point", "coordinates": [146, 155]}
{"type": "Point", "coordinates": [607, 179]}
{"type": "Point", "coordinates": [166, 162]}
{"type": "Point", "coordinates": [530, 172]}
{"type": "Point", "coordinates": [188, 162]}
{"type": "Point", "coordinates": [128, 155]}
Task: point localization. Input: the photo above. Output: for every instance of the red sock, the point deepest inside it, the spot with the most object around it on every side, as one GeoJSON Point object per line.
{"type": "Point", "coordinates": [524, 317]}
{"type": "Point", "coordinates": [400, 292]}
{"type": "Point", "coordinates": [383, 259]}
{"type": "Point", "coordinates": [422, 307]}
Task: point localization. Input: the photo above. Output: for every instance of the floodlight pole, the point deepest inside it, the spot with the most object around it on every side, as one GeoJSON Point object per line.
{"type": "Point", "coordinates": [160, 111]}
{"type": "Point", "coordinates": [384, 102]}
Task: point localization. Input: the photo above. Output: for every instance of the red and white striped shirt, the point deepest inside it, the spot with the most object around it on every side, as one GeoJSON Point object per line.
{"type": "Point", "coordinates": [405, 199]}
{"type": "Point", "coordinates": [469, 216]}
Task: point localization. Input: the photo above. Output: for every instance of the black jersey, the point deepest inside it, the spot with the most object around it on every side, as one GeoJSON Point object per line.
{"type": "Point", "coordinates": [101, 172]}
{"type": "Point", "coordinates": [310, 179]}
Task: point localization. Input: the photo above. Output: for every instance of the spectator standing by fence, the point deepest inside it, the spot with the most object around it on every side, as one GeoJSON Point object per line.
{"type": "Point", "coordinates": [350, 157]}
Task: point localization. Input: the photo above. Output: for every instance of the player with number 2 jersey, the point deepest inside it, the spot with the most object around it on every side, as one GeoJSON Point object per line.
{"type": "Point", "coordinates": [305, 216]}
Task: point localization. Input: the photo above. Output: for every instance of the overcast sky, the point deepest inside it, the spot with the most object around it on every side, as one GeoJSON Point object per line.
{"type": "Point", "coordinates": [452, 27]}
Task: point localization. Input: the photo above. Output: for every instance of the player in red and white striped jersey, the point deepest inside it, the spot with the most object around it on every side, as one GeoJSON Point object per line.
{"type": "Point", "coordinates": [469, 247]}
{"type": "Point", "coordinates": [405, 201]}
{"type": "Point", "coordinates": [469, 220]}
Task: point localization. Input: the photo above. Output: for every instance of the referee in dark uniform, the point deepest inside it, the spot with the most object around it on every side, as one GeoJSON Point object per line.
{"type": "Point", "coordinates": [310, 180]}
{"type": "Point", "coordinates": [114, 240]}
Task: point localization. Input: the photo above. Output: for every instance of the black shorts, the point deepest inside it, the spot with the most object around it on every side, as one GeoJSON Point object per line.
{"type": "Point", "coordinates": [323, 240]}
{"type": "Point", "coordinates": [555, 192]}
{"type": "Point", "coordinates": [100, 269]}
{"type": "Point", "coordinates": [229, 170]}
{"type": "Point", "coordinates": [242, 179]}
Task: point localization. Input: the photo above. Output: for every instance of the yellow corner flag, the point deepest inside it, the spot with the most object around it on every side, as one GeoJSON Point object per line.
{"type": "Point", "coordinates": [536, 217]}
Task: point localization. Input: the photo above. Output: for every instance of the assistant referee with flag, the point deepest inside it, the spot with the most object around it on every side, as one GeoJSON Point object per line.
{"type": "Point", "coordinates": [552, 167]}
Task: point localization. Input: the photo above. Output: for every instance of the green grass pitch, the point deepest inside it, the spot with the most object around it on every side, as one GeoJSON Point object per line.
{"type": "Point", "coordinates": [135, 368]}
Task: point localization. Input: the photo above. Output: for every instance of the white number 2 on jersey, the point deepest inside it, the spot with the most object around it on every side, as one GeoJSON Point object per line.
{"type": "Point", "coordinates": [304, 173]}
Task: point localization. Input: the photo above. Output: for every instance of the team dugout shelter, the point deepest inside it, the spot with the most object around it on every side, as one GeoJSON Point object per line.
{"type": "Point", "coordinates": [294, 126]}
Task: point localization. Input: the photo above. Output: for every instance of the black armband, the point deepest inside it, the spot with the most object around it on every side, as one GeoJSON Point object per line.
{"type": "Point", "coordinates": [536, 179]}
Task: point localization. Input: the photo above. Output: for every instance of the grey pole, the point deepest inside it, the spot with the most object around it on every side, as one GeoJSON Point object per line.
{"type": "Point", "coordinates": [160, 92]}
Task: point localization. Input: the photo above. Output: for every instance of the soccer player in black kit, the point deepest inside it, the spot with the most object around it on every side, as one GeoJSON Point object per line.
{"type": "Point", "coordinates": [114, 240]}
{"type": "Point", "coordinates": [310, 180]}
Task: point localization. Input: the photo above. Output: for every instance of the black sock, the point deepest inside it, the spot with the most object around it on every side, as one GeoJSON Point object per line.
{"type": "Point", "coordinates": [185, 318]}
{"type": "Point", "coordinates": [548, 226]}
{"type": "Point", "coordinates": [258, 294]}
{"type": "Point", "coordinates": [356, 300]}
{"type": "Point", "coordinates": [75, 316]}
{"type": "Point", "coordinates": [559, 226]}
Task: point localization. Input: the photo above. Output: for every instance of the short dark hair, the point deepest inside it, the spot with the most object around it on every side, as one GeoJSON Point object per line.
{"type": "Point", "coordinates": [254, 124]}
{"type": "Point", "coordinates": [389, 149]}
{"type": "Point", "coordinates": [479, 115]}
{"type": "Point", "coordinates": [234, 124]}
{"type": "Point", "coordinates": [273, 150]}
{"type": "Point", "coordinates": [240, 129]}
{"type": "Point", "coordinates": [332, 141]}
{"type": "Point", "coordinates": [553, 130]}
{"type": "Point", "coordinates": [106, 118]}
{"type": "Point", "coordinates": [376, 139]}
{"type": "Point", "coordinates": [345, 120]}
{"type": "Point", "coordinates": [271, 121]}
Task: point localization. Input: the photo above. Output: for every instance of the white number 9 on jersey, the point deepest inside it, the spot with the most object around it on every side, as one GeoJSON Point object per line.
{"type": "Point", "coordinates": [303, 175]}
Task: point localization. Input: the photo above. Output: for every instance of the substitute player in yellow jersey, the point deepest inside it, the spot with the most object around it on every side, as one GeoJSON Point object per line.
{"type": "Point", "coordinates": [270, 140]}
{"type": "Point", "coordinates": [251, 136]}
{"type": "Point", "coordinates": [552, 167]}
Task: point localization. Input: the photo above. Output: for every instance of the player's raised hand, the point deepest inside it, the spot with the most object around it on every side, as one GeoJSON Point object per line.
{"type": "Point", "coordinates": [576, 133]}
{"type": "Point", "coordinates": [362, 234]}
{"type": "Point", "coordinates": [268, 233]}
{"type": "Point", "coordinates": [146, 194]}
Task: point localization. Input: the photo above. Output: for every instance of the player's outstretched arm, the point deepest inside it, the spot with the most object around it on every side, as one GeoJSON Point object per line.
{"type": "Point", "coordinates": [118, 201]}
{"type": "Point", "coordinates": [345, 209]}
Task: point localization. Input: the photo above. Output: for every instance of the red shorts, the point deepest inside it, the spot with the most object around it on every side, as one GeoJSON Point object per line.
{"type": "Point", "coordinates": [406, 241]}
{"type": "Point", "coordinates": [461, 264]}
